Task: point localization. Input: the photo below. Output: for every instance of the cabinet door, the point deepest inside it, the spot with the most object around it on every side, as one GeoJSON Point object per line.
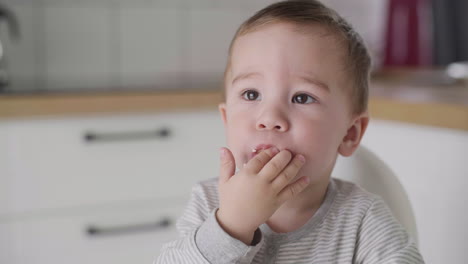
{"type": "Point", "coordinates": [4, 169]}
{"type": "Point", "coordinates": [6, 243]}
{"type": "Point", "coordinates": [125, 158]}
{"type": "Point", "coordinates": [130, 233]}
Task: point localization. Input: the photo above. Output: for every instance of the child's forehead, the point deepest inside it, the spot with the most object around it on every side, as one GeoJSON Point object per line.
{"type": "Point", "coordinates": [311, 32]}
{"type": "Point", "coordinates": [286, 38]}
{"type": "Point", "coordinates": [311, 49]}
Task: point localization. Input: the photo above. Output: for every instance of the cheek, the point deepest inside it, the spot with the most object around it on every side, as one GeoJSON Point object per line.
{"type": "Point", "coordinates": [236, 135]}
{"type": "Point", "coordinates": [321, 150]}
{"type": "Point", "coordinates": [237, 124]}
{"type": "Point", "coordinates": [319, 141]}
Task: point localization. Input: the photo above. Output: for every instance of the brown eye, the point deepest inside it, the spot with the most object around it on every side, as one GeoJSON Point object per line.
{"type": "Point", "coordinates": [303, 99]}
{"type": "Point", "coordinates": [251, 95]}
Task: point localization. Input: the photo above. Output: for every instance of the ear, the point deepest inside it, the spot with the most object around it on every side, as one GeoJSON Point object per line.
{"type": "Point", "coordinates": [222, 111]}
{"type": "Point", "coordinates": [354, 135]}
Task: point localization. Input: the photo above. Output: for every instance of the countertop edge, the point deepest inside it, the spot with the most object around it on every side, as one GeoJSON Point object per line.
{"type": "Point", "coordinates": [434, 114]}
{"type": "Point", "coordinates": [100, 103]}
{"type": "Point", "coordinates": [443, 115]}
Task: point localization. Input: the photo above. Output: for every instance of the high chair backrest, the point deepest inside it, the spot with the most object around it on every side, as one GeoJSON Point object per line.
{"type": "Point", "coordinates": [371, 173]}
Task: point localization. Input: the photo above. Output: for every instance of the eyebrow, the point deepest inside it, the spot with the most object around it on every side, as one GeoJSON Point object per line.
{"type": "Point", "coordinates": [316, 82]}
{"type": "Point", "coordinates": [246, 76]}
{"type": "Point", "coordinates": [306, 78]}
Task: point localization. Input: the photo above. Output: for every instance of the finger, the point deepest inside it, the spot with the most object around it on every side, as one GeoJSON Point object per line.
{"type": "Point", "coordinates": [293, 189]}
{"type": "Point", "coordinates": [277, 164]}
{"type": "Point", "coordinates": [287, 175]}
{"type": "Point", "coordinates": [259, 160]}
{"type": "Point", "coordinates": [228, 165]}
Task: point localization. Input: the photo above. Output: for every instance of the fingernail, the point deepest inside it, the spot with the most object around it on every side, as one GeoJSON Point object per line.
{"type": "Point", "coordinates": [222, 152]}
{"type": "Point", "coordinates": [274, 150]}
{"type": "Point", "coordinates": [301, 158]}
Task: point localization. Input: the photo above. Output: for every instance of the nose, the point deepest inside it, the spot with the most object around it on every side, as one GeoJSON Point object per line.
{"type": "Point", "coordinates": [272, 119]}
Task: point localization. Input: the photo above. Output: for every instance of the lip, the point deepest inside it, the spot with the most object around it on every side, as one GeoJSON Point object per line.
{"type": "Point", "coordinates": [258, 148]}
{"type": "Point", "coordinates": [261, 147]}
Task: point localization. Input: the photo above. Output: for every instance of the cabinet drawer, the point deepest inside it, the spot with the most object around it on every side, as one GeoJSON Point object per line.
{"type": "Point", "coordinates": [53, 165]}
{"type": "Point", "coordinates": [125, 234]}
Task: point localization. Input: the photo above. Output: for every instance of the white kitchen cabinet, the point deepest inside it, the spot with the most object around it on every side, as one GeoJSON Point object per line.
{"type": "Point", "coordinates": [130, 175]}
{"type": "Point", "coordinates": [6, 243]}
{"type": "Point", "coordinates": [126, 234]}
{"type": "Point", "coordinates": [54, 184]}
{"type": "Point", "coordinates": [51, 158]}
{"type": "Point", "coordinates": [4, 168]}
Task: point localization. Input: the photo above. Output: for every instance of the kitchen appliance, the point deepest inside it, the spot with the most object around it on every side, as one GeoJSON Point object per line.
{"type": "Point", "coordinates": [7, 16]}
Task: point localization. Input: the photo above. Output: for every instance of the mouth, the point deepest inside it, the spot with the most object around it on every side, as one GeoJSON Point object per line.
{"type": "Point", "coordinates": [259, 148]}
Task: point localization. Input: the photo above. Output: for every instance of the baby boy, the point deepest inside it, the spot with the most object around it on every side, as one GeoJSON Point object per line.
{"type": "Point", "coordinates": [296, 91]}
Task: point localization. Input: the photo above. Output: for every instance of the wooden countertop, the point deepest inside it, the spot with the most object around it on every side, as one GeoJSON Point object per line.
{"type": "Point", "coordinates": [425, 97]}
{"type": "Point", "coordinates": [421, 98]}
{"type": "Point", "coordinates": [19, 106]}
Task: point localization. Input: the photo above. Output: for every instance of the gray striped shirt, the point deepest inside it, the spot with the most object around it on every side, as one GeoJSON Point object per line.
{"type": "Point", "coordinates": [351, 226]}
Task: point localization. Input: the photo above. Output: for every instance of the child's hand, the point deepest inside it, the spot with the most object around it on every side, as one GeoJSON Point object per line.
{"type": "Point", "coordinates": [250, 197]}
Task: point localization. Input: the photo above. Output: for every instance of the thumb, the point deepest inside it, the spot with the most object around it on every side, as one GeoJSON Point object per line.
{"type": "Point", "coordinates": [228, 166]}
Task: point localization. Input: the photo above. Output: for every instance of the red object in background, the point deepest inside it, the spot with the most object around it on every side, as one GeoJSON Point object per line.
{"type": "Point", "coordinates": [409, 33]}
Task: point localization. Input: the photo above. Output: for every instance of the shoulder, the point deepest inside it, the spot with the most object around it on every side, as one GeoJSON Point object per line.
{"type": "Point", "coordinates": [203, 200]}
{"type": "Point", "coordinates": [379, 235]}
{"type": "Point", "coordinates": [206, 192]}
{"type": "Point", "coordinates": [207, 187]}
{"type": "Point", "coordinates": [354, 205]}
{"type": "Point", "coordinates": [208, 183]}
{"type": "Point", "coordinates": [352, 196]}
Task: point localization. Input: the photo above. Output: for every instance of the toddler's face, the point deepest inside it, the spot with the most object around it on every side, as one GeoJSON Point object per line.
{"type": "Point", "coordinates": [286, 88]}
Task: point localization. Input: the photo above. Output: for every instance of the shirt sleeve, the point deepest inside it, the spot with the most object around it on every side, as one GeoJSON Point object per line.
{"type": "Point", "coordinates": [382, 239]}
{"type": "Point", "coordinates": [201, 238]}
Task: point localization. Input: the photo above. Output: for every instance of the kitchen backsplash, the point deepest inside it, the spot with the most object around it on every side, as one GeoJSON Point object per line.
{"type": "Point", "coordinates": [69, 45]}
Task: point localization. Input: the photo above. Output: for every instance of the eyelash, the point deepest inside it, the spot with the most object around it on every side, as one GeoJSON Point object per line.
{"type": "Point", "coordinates": [245, 94]}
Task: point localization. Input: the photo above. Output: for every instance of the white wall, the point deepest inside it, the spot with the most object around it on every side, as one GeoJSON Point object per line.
{"type": "Point", "coordinates": [369, 18]}
{"type": "Point", "coordinates": [67, 44]}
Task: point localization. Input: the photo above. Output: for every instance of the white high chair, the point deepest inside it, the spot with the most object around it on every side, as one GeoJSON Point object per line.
{"type": "Point", "coordinates": [371, 173]}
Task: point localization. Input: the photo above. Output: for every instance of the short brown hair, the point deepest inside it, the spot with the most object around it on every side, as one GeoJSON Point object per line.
{"type": "Point", "coordinates": [307, 12]}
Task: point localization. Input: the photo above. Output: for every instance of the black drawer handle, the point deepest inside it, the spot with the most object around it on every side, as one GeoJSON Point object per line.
{"type": "Point", "coordinates": [93, 137]}
{"type": "Point", "coordinates": [95, 231]}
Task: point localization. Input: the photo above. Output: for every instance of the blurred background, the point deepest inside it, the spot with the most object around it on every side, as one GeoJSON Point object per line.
{"type": "Point", "coordinates": [53, 45]}
{"type": "Point", "coordinates": [108, 117]}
